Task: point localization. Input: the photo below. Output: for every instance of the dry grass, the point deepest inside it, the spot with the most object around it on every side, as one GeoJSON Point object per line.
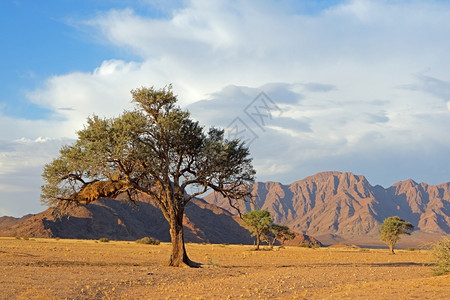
{"type": "Point", "coordinates": [80, 269]}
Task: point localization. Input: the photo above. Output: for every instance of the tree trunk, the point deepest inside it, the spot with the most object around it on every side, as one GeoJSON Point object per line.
{"type": "Point", "coordinates": [179, 257]}
{"type": "Point", "coordinates": [257, 241]}
{"type": "Point", "coordinates": [273, 242]}
{"type": "Point", "coordinates": [391, 248]}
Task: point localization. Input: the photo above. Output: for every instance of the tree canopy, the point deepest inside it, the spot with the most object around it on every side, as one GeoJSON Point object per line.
{"type": "Point", "coordinates": [391, 230]}
{"type": "Point", "coordinates": [258, 221]}
{"type": "Point", "coordinates": [262, 227]}
{"type": "Point", "coordinates": [276, 232]}
{"type": "Point", "coordinates": [155, 149]}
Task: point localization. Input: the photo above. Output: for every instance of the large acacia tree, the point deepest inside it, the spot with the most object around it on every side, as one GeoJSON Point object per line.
{"type": "Point", "coordinates": [155, 149]}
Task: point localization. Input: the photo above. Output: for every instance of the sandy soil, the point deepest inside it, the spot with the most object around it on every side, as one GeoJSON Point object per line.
{"type": "Point", "coordinates": [80, 269]}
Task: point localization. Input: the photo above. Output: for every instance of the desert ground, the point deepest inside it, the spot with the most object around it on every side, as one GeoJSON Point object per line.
{"type": "Point", "coordinates": [88, 269]}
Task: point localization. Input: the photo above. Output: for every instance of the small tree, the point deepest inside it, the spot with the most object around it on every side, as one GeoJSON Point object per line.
{"type": "Point", "coordinates": [258, 221]}
{"type": "Point", "coordinates": [282, 233]}
{"type": "Point", "coordinates": [391, 230]}
{"type": "Point", "coordinates": [156, 150]}
{"type": "Point", "coordinates": [276, 232]}
{"type": "Point", "coordinates": [441, 253]}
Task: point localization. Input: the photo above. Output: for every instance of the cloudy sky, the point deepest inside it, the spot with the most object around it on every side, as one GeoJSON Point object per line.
{"type": "Point", "coordinates": [360, 86]}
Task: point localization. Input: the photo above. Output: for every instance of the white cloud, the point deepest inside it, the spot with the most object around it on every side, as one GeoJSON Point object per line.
{"type": "Point", "coordinates": [362, 86]}
{"type": "Point", "coordinates": [21, 163]}
{"type": "Point", "coordinates": [26, 153]}
{"type": "Point", "coordinates": [317, 134]}
{"type": "Point", "coordinates": [74, 97]}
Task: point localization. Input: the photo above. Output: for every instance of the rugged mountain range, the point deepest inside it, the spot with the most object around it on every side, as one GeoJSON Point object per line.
{"type": "Point", "coordinates": [343, 207]}
{"type": "Point", "coordinates": [118, 220]}
{"type": "Point", "coordinates": [333, 207]}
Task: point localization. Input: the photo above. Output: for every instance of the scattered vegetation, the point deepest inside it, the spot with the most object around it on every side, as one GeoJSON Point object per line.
{"type": "Point", "coordinates": [211, 263]}
{"type": "Point", "coordinates": [306, 245]}
{"type": "Point", "coordinates": [148, 240]}
{"type": "Point", "coordinates": [261, 224]}
{"type": "Point", "coordinates": [411, 249]}
{"type": "Point", "coordinates": [391, 230]}
{"type": "Point", "coordinates": [276, 232]}
{"type": "Point", "coordinates": [88, 270]}
{"type": "Point", "coordinates": [104, 240]}
{"type": "Point", "coordinates": [441, 254]}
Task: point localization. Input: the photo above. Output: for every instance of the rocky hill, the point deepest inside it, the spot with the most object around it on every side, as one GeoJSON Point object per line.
{"type": "Point", "coordinates": [118, 220]}
{"type": "Point", "coordinates": [8, 222]}
{"type": "Point", "coordinates": [343, 207]}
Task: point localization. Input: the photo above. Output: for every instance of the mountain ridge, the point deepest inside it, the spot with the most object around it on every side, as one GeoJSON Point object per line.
{"type": "Point", "coordinates": [335, 206]}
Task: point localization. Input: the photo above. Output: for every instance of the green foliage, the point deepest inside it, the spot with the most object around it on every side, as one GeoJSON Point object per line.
{"type": "Point", "coordinates": [441, 254]}
{"type": "Point", "coordinates": [155, 149]}
{"type": "Point", "coordinates": [281, 232]}
{"type": "Point", "coordinates": [104, 240]}
{"type": "Point", "coordinates": [148, 240]}
{"type": "Point", "coordinates": [276, 232]}
{"type": "Point", "coordinates": [156, 145]}
{"type": "Point", "coordinates": [258, 222]}
{"type": "Point", "coordinates": [261, 224]}
{"type": "Point", "coordinates": [391, 230]}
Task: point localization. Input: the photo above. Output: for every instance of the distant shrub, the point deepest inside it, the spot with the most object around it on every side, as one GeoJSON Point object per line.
{"type": "Point", "coordinates": [148, 240]}
{"type": "Point", "coordinates": [441, 254]}
{"type": "Point", "coordinates": [211, 263]}
{"type": "Point", "coordinates": [411, 249]}
{"type": "Point", "coordinates": [18, 237]}
{"type": "Point", "coordinates": [26, 238]}
{"type": "Point", "coordinates": [306, 245]}
{"type": "Point", "coordinates": [104, 240]}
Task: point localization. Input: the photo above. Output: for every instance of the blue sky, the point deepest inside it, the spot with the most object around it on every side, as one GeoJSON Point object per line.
{"type": "Point", "coordinates": [46, 38]}
{"type": "Point", "coordinates": [361, 85]}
